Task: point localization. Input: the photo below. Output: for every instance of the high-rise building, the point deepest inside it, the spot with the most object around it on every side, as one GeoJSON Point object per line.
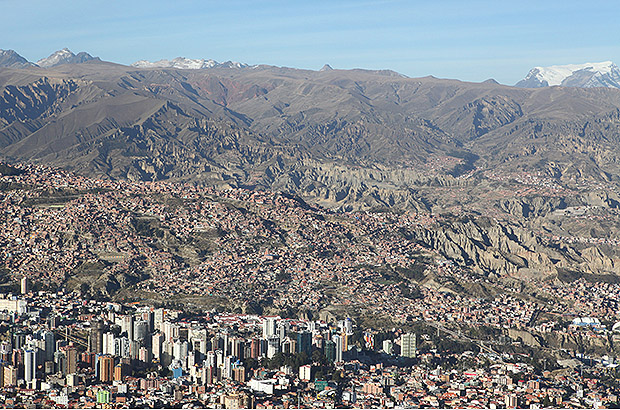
{"type": "Point", "coordinates": [191, 359]}
{"type": "Point", "coordinates": [282, 330]}
{"type": "Point", "coordinates": [165, 356]}
{"type": "Point", "coordinates": [19, 340]}
{"type": "Point", "coordinates": [238, 401]}
{"type": "Point", "coordinates": [106, 368]}
{"type": "Point", "coordinates": [288, 346]}
{"type": "Point", "coordinates": [408, 345]}
{"type": "Point", "coordinates": [511, 401]}
{"type": "Point", "coordinates": [255, 348]}
{"type": "Point", "coordinates": [273, 346]}
{"type": "Point", "coordinates": [122, 347]}
{"type": "Point", "coordinates": [225, 345]}
{"type": "Point", "coordinates": [103, 396]}
{"type": "Point", "coordinates": [330, 350]}
{"type": "Point", "coordinates": [24, 285]}
{"type": "Point", "coordinates": [60, 361]}
{"type": "Point", "coordinates": [53, 321]}
{"type": "Point", "coordinates": [145, 355]}
{"type": "Point", "coordinates": [30, 365]}
{"type": "Point", "coordinates": [209, 374]}
{"type": "Point", "coordinates": [109, 343]}
{"type": "Point", "coordinates": [119, 372]}
{"type": "Point", "coordinates": [219, 358]}
{"type": "Point", "coordinates": [89, 359]}
{"type": "Point", "coordinates": [239, 374]}
{"type": "Point", "coordinates": [72, 359]}
{"type": "Point", "coordinates": [215, 343]}
{"type": "Point", "coordinates": [50, 345]}
{"type": "Point", "coordinates": [156, 345]}
{"type": "Point", "coordinates": [96, 337]}
{"type": "Point", "coordinates": [311, 327]}
{"type": "Point", "coordinates": [134, 349]}
{"type": "Point", "coordinates": [227, 367]}
{"type": "Point", "coordinates": [180, 351]}
{"type": "Point", "coordinates": [175, 331]}
{"type": "Point", "coordinates": [149, 318]}
{"type": "Point", "coordinates": [210, 361]}
{"type": "Point", "coordinates": [339, 344]}
{"type": "Point", "coordinates": [304, 343]}
{"type": "Point", "coordinates": [237, 347]}
{"type": "Point", "coordinates": [347, 326]}
{"type": "Point", "coordinates": [10, 376]}
{"type": "Point", "coordinates": [127, 326]}
{"type": "Point", "coordinates": [159, 317]}
{"type": "Point", "coordinates": [305, 373]}
{"type": "Point", "coordinates": [183, 333]}
{"type": "Point", "coordinates": [269, 327]}
{"type": "Point", "coordinates": [388, 346]}
{"type": "Point", "coordinates": [141, 328]}
{"type": "Point", "coordinates": [200, 347]}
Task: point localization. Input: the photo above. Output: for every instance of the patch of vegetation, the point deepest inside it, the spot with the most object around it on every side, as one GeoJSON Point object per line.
{"type": "Point", "coordinates": [410, 292]}
{"type": "Point", "coordinates": [416, 271]}
{"type": "Point", "coordinates": [567, 276]}
{"type": "Point", "coordinates": [12, 186]}
{"type": "Point", "coordinates": [147, 227]}
{"type": "Point", "coordinates": [294, 360]}
{"type": "Point", "coordinates": [7, 284]}
{"type": "Point", "coordinates": [7, 170]}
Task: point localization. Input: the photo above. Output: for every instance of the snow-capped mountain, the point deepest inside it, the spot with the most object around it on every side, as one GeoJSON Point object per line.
{"type": "Point", "coordinates": [605, 74]}
{"type": "Point", "coordinates": [65, 56]}
{"type": "Point", "coordinates": [187, 64]}
{"type": "Point", "coordinates": [9, 58]}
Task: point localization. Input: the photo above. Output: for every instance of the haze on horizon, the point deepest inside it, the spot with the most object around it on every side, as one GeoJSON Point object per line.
{"type": "Point", "coordinates": [470, 41]}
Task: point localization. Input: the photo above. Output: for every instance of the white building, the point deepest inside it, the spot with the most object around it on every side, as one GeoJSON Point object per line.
{"type": "Point", "coordinates": [30, 365]}
{"type": "Point", "coordinates": [305, 373]}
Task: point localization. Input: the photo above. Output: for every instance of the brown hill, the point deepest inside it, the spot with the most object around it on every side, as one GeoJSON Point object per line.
{"type": "Point", "coordinates": [347, 139]}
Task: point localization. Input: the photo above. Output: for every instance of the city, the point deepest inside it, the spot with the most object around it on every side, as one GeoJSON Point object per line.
{"type": "Point", "coordinates": [67, 352]}
{"type": "Point", "coordinates": [327, 205]}
{"type": "Point", "coordinates": [346, 314]}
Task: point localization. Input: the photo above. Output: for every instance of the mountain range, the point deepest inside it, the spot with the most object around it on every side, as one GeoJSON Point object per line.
{"type": "Point", "coordinates": [187, 64]}
{"type": "Point", "coordinates": [588, 75]}
{"type": "Point", "coordinates": [65, 56]}
{"type": "Point", "coordinates": [344, 137]}
{"type": "Point", "coordinates": [9, 58]}
{"type": "Point", "coordinates": [508, 167]}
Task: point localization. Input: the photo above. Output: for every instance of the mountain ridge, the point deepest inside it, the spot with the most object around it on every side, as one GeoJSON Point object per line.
{"type": "Point", "coordinates": [188, 64]}
{"type": "Point", "coordinates": [65, 56]}
{"type": "Point", "coordinates": [587, 75]}
{"type": "Point", "coordinates": [508, 167]}
{"type": "Point", "coordinates": [10, 58]}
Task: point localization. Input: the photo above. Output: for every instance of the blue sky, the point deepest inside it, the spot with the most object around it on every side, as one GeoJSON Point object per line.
{"type": "Point", "coordinates": [469, 40]}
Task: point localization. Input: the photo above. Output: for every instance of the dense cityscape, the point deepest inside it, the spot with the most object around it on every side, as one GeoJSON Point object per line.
{"type": "Point", "coordinates": [68, 352]}
{"type": "Point", "coordinates": [288, 305]}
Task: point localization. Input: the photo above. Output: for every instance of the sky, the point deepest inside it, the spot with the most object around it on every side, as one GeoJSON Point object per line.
{"type": "Point", "coordinates": [469, 40]}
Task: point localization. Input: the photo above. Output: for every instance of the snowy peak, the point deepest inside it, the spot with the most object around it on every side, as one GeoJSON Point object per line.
{"type": "Point", "coordinates": [588, 75]}
{"type": "Point", "coordinates": [9, 58]}
{"type": "Point", "coordinates": [187, 64]}
{"type": "Point", "coordinates": [179, 62]}
{"type": "Point", "coordinates": [65, 56]}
